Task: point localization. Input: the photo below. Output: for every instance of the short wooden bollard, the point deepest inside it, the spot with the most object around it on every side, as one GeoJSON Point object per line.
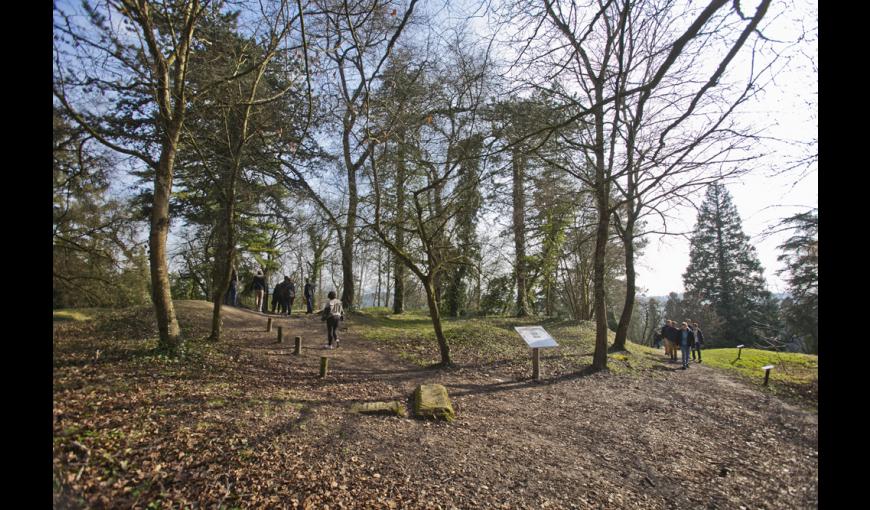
{"type": "Point", "coordinates": [324, 365]}
{"type": "Point", "coordinates": [536, 364]}
{"type": "Point", "coordinates": [739, 348]}
{"type": "Point", "coordinates": [269, 325]}
{"type": "Point", "coordinates": [280, 334]}
{"type": "Point", "coordinates": [766, 373]}
{"type": "Point", "coordinates": [298, 348]}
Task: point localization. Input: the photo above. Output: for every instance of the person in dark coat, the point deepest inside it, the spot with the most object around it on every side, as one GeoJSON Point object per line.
{"type": "Point", "coordinates": [232, 292]}
{"type": "Point", "coordinates": [259, 287]}
{"type": "Point", "coordinates": [699, 341]}
{"type": "Point", "coordinates": [687, 340]}
{"type": "Point", "coordinates": [671, 335]}
{"type": "Point", "coordinates": [285, 299]}
{"type": "Point", "coordinates": [308, 293]}
{"type": "Point", "coordinates": [277, 294]}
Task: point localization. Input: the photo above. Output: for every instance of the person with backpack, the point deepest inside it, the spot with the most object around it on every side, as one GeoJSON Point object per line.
{"type": "Point", "coordinates": [308, 293]}
{"type": "Point", "coordinates": [332, 313]}
{"type": "Point", "coordinates": [699, 340]}
{"type": "Point", "coordinates": [259, 287]}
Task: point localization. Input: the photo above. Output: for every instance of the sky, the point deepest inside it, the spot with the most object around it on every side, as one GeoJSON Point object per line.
{"type": "Point", "coordinates": [787, 110]}
{"type": "Point", "coordinates": [766, 196]}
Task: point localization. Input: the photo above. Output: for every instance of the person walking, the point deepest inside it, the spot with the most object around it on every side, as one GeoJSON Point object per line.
{"type": "Point", "coordinates": [332, 313]}
{"type": "Point", "coordinates": [699, 341]}
{"type": "Point", "coordinates": [259, 286]}
{"type": "Point", "coordinates": [308, 294]}
{"type": "Point", "coordinates": [672, 339]}
{"type": "Point", "coordinates": [687, 340]}
{"type": "Point", "coordinates": [285, 299]}
{"type": "Point", "coordinates": [278, 297]}
{"type": "Point", "coordinates": [232, 292]}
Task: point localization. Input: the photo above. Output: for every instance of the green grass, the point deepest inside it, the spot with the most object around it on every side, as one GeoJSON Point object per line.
{"type": "Point", "coordinates": [794, 374]}
{"type": "Point", "coordinates": [789, 367]}
{"type": "Point", "coordinates": [70, 315]}
{"type": "Point", "coordinates": [493, 340]}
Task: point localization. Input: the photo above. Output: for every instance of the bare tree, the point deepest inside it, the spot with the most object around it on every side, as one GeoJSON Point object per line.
{"type": "Point", "coordinates": [592, 76]}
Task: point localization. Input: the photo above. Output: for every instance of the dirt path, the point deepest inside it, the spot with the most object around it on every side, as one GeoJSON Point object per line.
{"type": "Point", "coordinates": [662, 439]}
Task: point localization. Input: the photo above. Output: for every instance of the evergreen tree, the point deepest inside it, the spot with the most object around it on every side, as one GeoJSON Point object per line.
{"type": "Point", "coordinates": [800, 253]}
{"type": "Point", "coordinates": [724, 272]}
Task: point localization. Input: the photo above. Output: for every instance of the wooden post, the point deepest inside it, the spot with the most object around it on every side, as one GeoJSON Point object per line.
{"type": "Point", "coordinates": [269, 325]}
{"type": "Point", "coordinates": [298, 349]}
{"type": "Point", "coordinates": [536, 364]}
{"type": "Point", "coordinates": [766, 373]}
{"type": "Point", "coordinates": [324, 365]}
{"type": "Point", "coordinates": [739, 348]}
{"type": "Point", "coordinates": [280, 334]}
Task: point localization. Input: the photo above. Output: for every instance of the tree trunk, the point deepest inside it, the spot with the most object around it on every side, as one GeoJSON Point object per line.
{"type": "Point", "coordinates": [519, 226]}
{"type": "Point", "coordinates": [224, 256]}
{"type": "Point", "coordinates": [435, 314]}
{"type": "Point", "coordinates": [602, 202]}
{"type": "Point", "coordinates": [399, 268]}
{"type": "Point", "coordinates": [347, 290]}
{"type": "Point", "coordinates": [628, 308]}
{"type": "Point", "coordinates": [167, 325]}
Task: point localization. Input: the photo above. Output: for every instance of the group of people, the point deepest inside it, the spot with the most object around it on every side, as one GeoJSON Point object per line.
{"type": "Point", "coordinates": [688, 337]}
{"type": "Point", "coordinates": [283, 296]}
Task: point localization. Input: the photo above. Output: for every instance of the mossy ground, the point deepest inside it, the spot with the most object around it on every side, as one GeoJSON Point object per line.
{"type": "Point", "coordinates": [70, 315]}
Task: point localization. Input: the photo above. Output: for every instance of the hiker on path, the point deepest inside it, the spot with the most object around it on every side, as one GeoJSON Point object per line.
{"type": "Point", "coordinates": [657, 339]}
{"type": "Point", "coordinates": [278, 297]}
{"type": "Point", "coordinates": [291, 293]}
{"type": "Point", "coordinates": [332, 313]}
{"type": "Point", "coordinates": [259, 286]}
{"type": "Point", "coordinates": [672, 339]}
{"type": "Point", "coordinates": [687, 340]}
{"type": "Point", "coordinates": [232, 293]}
{"type": "Point", "coordinates": [308, 293]}
{"type": "Point", "coordinates": [699, 341]}
{"type": "Point", "coordinates": [285, 300]}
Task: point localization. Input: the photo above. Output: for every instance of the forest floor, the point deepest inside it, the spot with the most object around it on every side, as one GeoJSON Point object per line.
{"type": "Point", "coordinates": [246, 424]}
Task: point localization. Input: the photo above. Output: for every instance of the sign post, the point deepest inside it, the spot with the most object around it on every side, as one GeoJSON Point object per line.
{"type": "Point", "coordinates": [536, 337]}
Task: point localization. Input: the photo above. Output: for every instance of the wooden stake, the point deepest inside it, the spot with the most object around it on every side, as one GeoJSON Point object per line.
{"type": "Point", "coordinates": [536, 364]}
{"type": "Point", "coordinates": [766, 373]}
{"type": "Point", "coordinates": [298, 349]}
{"type": "Point", "coordinates": [269, 325]}
{"type": "Point", "coordinates": [280, 334]}
{"type": "Point", "coordinates": [739, 348]}
{"type": "Point", "coordinates": [324, 365]}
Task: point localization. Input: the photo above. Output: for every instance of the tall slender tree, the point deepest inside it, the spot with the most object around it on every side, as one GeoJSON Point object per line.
{"type": "Point", "coordinates": [724, 270]}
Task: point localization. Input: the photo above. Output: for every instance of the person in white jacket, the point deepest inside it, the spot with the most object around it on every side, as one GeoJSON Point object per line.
{"type": "Point", "coordinates": [332, 313]}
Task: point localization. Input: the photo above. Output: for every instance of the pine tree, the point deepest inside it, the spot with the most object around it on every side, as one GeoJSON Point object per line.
{"type": "Point", "coordinates": [800, 253]}
{"type": "Point", "coordinates": [724, 272]}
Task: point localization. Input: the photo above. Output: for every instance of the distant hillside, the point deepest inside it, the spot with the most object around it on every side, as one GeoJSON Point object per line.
{"type": "Point", "coordinates": [664, 299]}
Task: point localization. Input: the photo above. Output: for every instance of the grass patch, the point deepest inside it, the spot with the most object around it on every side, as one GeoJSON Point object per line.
{"type": "Point", "coordinates": [70, 315]}
{"type": "Point", "coordinates": [492, 341]}
{"type": "Point", "coordinates": [794, 374]}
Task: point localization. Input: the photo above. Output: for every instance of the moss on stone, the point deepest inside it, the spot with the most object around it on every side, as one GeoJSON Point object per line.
{"type": "Point", "coordinates": [393, 407]}
{"type": "Point", "coordinates": [432, 400]}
